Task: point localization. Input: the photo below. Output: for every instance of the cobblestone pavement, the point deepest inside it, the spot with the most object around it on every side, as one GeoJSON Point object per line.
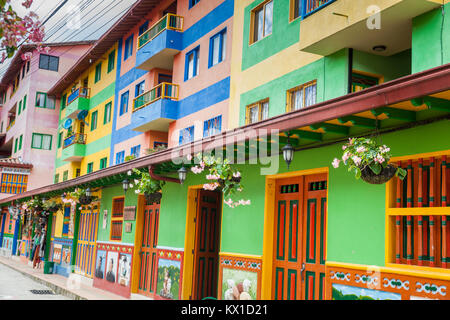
{"type": "Point", "coordinates": [15, 286]}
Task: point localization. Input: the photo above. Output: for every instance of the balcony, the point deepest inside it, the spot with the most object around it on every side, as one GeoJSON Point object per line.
{"type": "Point", "coordinates": [77, 101]}
{"type": "Point", "coordinates": [74, 148]}
{"type": "Point", "coordinates": [155, 109]}
{"type": "Point", "coordinates": [11, 124]}
{"type": "Point", "coordinates": [159, 44]}
{"type": "Point", "coordinates": [329, 26]}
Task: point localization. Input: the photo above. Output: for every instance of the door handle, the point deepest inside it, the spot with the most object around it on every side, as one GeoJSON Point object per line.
{"type": "Point", "coordinates": [302, 270]}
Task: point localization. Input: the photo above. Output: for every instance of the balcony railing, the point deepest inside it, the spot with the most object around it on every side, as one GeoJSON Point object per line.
{"type": "Point", "coordinates": [311, 6]}
{"type": "Point", "coordinates": [162, 91]}
{"type": "Point", "coordinates": [76, 138]}
{"type": "Point", "coordinates": [78, 93]}
{"type": "Point", "coordinates": [168, 22]}
{"type": "Point", "coordinates": [11, 124]}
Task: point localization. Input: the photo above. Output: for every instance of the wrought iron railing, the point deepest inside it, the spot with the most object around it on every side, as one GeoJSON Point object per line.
{"type": "Point", "coordinates": [78, 93]}
{"type": "Point", "coordinates": [162, 91]}
{"type": "Point", "coordinates": [76, 138]}
{"type": "Point", "coordinates": [168, 22]}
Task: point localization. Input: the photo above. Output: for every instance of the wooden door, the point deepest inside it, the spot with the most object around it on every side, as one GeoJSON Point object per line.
{"type": "Point", "coordinates": [206, 249]}
{"type": "Point", "coordinates": [87, 239]}
{"type": "Point", "coordinates": [148, 256]}
{"type": "Point", "coordinates": [299, 238]}
{"type": "Point", "coordinates": [314, 239]}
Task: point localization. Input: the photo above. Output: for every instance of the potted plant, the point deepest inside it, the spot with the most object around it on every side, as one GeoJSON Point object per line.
{"type": "Point", "coordinates": [81, 197]}
{"type": "Point", "coordinates": [221, 176]}
{"type": "Point", "coordinates": [151, 188]}
{"type": "Point", "coordinates": [369, 161]}
{"type": "Point", "coordinates": [51, 206]}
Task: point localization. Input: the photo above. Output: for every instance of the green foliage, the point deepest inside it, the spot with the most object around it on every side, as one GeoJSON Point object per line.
{"type": "Point", "coordinates": [130, 157]}
{"type": "Point", "coordinates": [146, 184]}
{"type": "Point", "coordinates": [360, 153]}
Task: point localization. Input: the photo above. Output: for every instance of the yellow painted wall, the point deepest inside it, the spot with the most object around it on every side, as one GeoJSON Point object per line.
{"type": "Point", "coordinates": [102, 130]}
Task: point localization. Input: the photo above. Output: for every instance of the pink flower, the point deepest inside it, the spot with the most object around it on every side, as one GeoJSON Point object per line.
{"type": "Point", "coordinates": [212, 177]}
{"type": "Point", "coordinates": [345, 157]}
{"type": "Point", "coordinates": [210, 186]}
{"type": "Point", "coordinates": [360, 149]}
{"type": "Point", "coordinates": [351, 141]}
{"type": "Point", "coordinates": [344, 147]}
{"type": "Point", "coordinates": [356, 160]}
{"type": "Point", "coordinates": [197, 170]}
{"type": "Point", "coordinates": [237, 174]}
{"type": "Point", "coordinates": [336, 162]}
{"type": "Point", "coordinates": [27, 4]}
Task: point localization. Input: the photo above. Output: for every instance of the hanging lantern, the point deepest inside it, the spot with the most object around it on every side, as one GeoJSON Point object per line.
{"type": "Point", "coordinates": [125, 185]}
{"type": "Point", "coordinates": [182, 173]}
{"type": "Point", "coordinates": [288, 154]}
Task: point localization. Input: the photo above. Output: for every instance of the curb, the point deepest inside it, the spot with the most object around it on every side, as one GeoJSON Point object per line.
{"type": "Point", "coordinates": [57, 289]}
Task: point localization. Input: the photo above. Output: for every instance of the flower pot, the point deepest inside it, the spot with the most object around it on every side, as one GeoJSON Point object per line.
{"type": "Point", "coordinates": [84, 200]}
{"type": "Point", "coordinates": [384, 176]}
{"type": "Point", "coordinates": [154, 197]}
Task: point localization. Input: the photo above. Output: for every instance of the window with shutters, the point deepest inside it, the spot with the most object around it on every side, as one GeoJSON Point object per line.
{"type": "Point", "coordinates": [418, 212]}
{"type": "Point", "coordinates": [117, 219]}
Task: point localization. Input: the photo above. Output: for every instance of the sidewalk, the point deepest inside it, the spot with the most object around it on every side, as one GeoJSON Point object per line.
{"type": "Point", "coordinates": [60, 284]}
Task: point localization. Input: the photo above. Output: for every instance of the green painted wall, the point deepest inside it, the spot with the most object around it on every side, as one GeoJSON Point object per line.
{"type": "Point", "coordinates": [431, 39]}
{"type": "Point", "coordinates": [106, 204]}
{"type": "Point", "coordinates": [356, 210]}
{"type": "Point", "coordinates": [333, 68]}
{"type": "Point", "coordinates": [393, 67]}
{"type": "Point", "coordinates": [284, 34]}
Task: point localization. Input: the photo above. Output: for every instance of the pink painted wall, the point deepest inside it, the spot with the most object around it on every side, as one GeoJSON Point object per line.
{"type": "Point", "coordinates": [38, 120]}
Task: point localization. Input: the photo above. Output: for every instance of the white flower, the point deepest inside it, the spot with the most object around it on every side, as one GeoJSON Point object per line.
{"type": "Point", "coordinates": [136, 191]}
{"type": "Point", "coordinates": [189, 157]}
{"type": "Point", "coordinates": [237, 174]}
{"type": "Point", "coordinates": [336, 162]}
{"type": "Point", "coordinates": [136, 181]}
{"type": "Point", "coordinates": [129, 172]}
{"type": "Point", "coordinates": [131, 185]}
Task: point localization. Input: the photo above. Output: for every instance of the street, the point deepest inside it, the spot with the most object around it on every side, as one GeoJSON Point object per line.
{"type": "Point", "coordinates": [15, 286]}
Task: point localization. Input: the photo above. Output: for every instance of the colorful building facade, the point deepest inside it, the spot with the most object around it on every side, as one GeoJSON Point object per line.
{"type": "Point", "coordinates": [201, 75]}
{"type": "Point", "coordinates": [29, 120]}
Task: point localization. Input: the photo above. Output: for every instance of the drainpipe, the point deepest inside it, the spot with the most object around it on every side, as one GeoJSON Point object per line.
{"type": "Point", "coordinates": [158, 177]}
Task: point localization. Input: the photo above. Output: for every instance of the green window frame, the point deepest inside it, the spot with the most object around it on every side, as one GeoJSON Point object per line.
{"type": "Point", "coordinates": [41, 141]}
{"type": "Point", "coordinates": [111, 58]}
{"type": "Point", "coordinates": [56, 178]}
{"type": "Point", "coordinates": [45, 102]}
{"type": "Point", "coordinates": [98, 72]}
{"type": "Point", "coordinates": [39, 102]}
{"type": "Point", "coordinates": [107, 114]}
{"type": "Point", "coordinates": [15, 145]}
{"type": "Point", "coordinates": [94, 120]}
{"type": "Point", "coordinates": [24, 104]}
{"type": "Point", "coordinates": [103, 163]}
{"type": "Point", "coordinates": [66, 175]}
{"type": "Point", "coordinates": [63, 101]}
{"type": "Point", "coordinates": [60, 138]}
{"type": "Point", "coordinates": [90, 167]}
{"type": "Point", "coordinates": [20, 142]}
{"type": "Point", "coordinates": [20, 108]}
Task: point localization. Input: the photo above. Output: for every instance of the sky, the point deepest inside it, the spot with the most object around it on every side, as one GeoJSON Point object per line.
{"type": "Point", "coordinates": [76, 20]}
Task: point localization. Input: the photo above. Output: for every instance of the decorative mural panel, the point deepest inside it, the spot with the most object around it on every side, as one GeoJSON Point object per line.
{"type": "Point", "coordinates": [169, 274]}
{"type": "Point", "coordinates": [239, 278]}
{"type": "Point", "coordinates": [113, 267]}
{"type": "Point", "coordinates": [372, 283]}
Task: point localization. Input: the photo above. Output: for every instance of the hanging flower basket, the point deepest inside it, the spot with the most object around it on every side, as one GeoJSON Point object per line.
{"type": "Point", "coordinates": [154, 197]}
{"type": "Point", "coordinates": [384, 176]}
{"type": "Point", "coordinates": [51, 206]}
{"type": "Point", "coordinates": [369, 161]}
{"type": "Point", "coordinates": [84, 200]}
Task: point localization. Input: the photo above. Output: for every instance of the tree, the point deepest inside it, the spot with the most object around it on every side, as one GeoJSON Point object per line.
{"type": "Point", "coordinates": [16, 30]}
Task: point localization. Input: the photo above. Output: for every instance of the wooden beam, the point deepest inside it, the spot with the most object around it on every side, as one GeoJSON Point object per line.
{"type": "Point", "coordinates": [307, 135]}
{"type": "Point", "coordinates": [359, 121]}
{"type": "Point", "coordinates": [398, 114]}
{"type": "Point", "coordinates": [432, 103]}
{"type": "Point", "coordinates": [329, 127]}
